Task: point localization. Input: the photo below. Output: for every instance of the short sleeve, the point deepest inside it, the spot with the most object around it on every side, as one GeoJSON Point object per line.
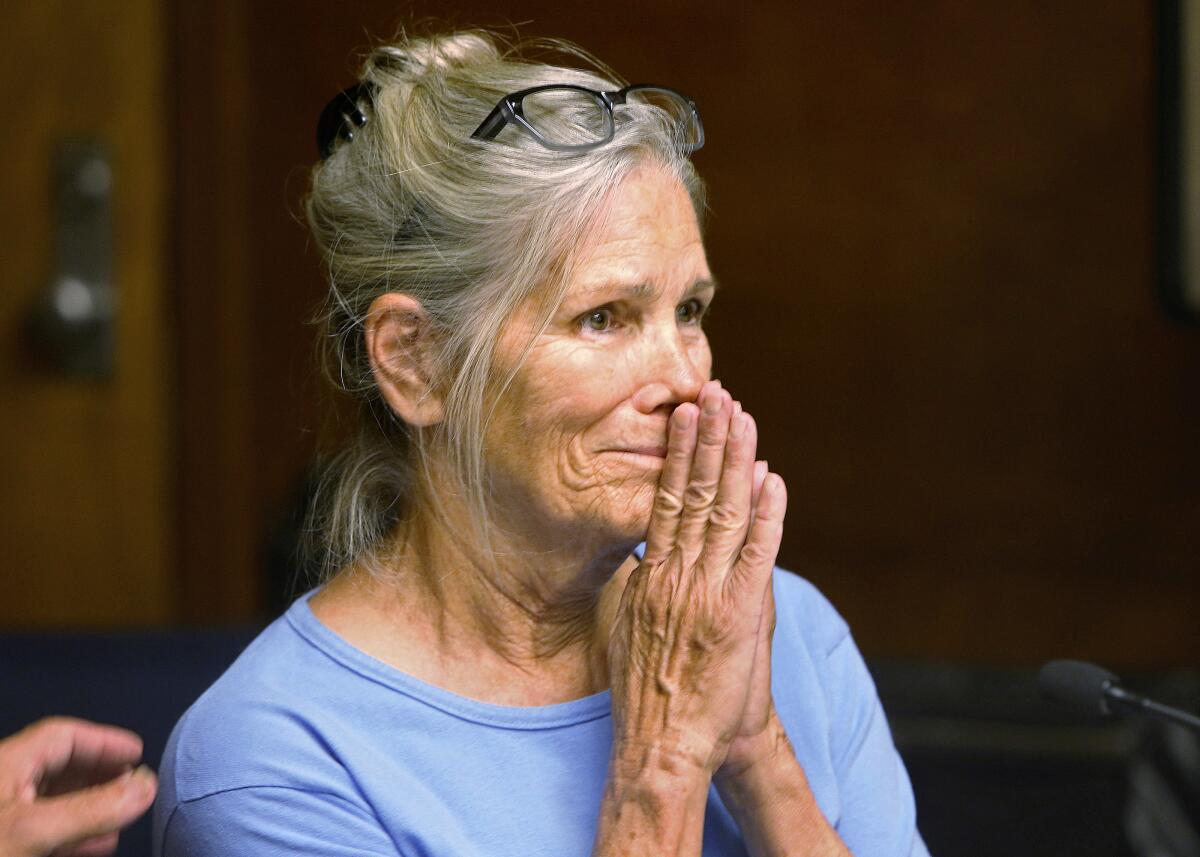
{"type": "Point", "coordinates": [273, 822]}
{"type": "Point", "coordinates": [878, 813]}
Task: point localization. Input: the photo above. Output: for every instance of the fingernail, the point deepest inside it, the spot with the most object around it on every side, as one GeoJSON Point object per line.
{"type": "Point", "coordinates": [712, 405]}
{"type": "Point", "coordinates": [683, 417]}
{"type": "Point", "coordinates": [737, 427]}
{"type": "Point", "coordinates": [142, 777]}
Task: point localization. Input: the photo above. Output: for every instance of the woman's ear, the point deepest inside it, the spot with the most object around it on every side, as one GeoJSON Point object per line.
{"type": "Point", "coordinates": [399, 343]}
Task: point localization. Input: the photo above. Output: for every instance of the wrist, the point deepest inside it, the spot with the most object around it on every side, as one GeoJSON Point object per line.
{"type": "Point", "coordinates": [654, 803]}
{"type": "Point", "coordinates": [666, 759]}
{"type": "Point", "coordinates": [766, 790]}
{"type": "Point", "coordinates": [752, 757]}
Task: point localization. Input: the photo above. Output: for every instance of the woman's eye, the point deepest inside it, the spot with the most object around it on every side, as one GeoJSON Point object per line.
{"type": "Point", "coordinates": [690, 312]}
{"type": "Point", "coordinates": [599, 320]}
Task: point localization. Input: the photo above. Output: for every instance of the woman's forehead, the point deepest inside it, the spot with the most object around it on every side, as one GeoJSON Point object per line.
{"type": "Point", "coordinates": [649, 208]}
{"type": "Point", "coordinates": [647, 237]}
{"type": "Point", "coordinates": [639, 270]}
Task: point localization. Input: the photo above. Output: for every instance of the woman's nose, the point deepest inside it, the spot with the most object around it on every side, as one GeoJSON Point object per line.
{"type": "Point", "coordinates": [688, 381]}
{"type": "Point", "coordinates": [679, 368]}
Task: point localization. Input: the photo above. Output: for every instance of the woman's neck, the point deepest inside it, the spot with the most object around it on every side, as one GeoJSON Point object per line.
{"type": "Point", "coordinates": [530, 628]}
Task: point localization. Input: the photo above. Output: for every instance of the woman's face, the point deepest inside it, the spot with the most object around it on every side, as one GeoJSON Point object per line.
{"type": "Point", "coordinates": [577, 441]}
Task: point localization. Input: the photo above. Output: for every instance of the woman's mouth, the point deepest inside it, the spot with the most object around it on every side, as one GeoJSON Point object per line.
{"type": "Point", "coordinates": [659, 452]}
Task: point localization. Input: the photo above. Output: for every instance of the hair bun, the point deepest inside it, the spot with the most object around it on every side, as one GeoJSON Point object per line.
{"type": "Point", "coordinates": [421, 55]}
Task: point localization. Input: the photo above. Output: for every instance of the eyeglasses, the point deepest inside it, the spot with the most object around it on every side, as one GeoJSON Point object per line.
{"type": "Point", "coordinates": [540, 111]}
{"type": "Point", "coordinates": [341, 117]}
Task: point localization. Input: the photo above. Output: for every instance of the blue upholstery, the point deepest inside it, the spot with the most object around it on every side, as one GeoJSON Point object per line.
{"type": "Point", "coordinates": [142, 681]}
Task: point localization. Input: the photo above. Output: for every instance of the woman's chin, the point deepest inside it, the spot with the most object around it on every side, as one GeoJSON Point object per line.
{"type": "Point", "coordinates": [628, 519]}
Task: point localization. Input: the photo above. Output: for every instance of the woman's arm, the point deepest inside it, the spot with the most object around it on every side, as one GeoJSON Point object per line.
{"type": "Point", "coordinates": [768, 794]}
{"type": "Point", "coordinates": [653, 805]}
{"type": "Point", "coordinates": [773, 805]}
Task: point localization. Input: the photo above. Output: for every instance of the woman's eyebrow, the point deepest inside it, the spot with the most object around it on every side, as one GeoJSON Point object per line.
{"type": "Point", "coordinates": [646, 290]}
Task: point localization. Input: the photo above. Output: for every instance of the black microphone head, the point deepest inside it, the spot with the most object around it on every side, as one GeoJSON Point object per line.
{"type": "Point", "coordinates": [1076, 684]}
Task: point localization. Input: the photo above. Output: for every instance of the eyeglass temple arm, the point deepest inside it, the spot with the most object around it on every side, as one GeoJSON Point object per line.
{"type": "Point", "coordinates": [491, 125]}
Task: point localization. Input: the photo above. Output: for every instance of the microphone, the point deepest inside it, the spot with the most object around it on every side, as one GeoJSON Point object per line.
{"type": "Point", "coordinates": [1089, 688]}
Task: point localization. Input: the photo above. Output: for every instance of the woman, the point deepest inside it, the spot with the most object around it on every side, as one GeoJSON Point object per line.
{"type": "Point", "coordinates": [496, 665]}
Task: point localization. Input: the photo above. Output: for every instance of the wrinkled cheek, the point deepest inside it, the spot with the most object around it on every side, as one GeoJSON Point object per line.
{"type": "Point", "coordinates": [633, 514]}
{"type": "Point", "coordinates": [580, 471]}
{"type": "Point", "coordinates": [601, 482]}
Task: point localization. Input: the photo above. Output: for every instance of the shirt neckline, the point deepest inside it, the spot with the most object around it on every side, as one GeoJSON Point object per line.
{"type": "Point", "coordinates": [557, 715]}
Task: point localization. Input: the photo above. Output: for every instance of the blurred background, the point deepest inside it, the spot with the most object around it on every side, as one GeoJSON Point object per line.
{"type": "Point", "coordinates": [946, 245]}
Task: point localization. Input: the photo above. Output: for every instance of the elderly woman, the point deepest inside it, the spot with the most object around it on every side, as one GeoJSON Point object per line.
{"type": "Point", "coordinates": [551, 622]}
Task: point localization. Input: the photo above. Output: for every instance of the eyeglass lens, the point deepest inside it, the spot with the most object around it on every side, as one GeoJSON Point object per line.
{"type": "Point", "coordinates": [567, 117]}
{"type": "Point", "coordinates": [572, 117]}
{"type": "Point", "coordinates": [677, 111]}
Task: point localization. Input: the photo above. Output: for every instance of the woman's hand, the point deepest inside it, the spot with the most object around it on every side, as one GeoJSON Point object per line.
{"type": "Point", "coordinates": [760, 733]}
{"type": "Point", "coordinates": [761, 737]}
{"type": "Point", "coordinates": [683, 653]}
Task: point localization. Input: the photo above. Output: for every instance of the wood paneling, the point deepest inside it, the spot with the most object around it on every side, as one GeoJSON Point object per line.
{"type": "Point", "coordinates": [936, 223]}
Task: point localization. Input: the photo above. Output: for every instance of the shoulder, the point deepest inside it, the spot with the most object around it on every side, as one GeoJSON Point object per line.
{"type": "Point", "coordinates": [816, 665]}
{"type": "Point", "coordinates": [271, 822]}
{"type": "Point", "coordinates": [808, 656]}
{"type": "Point", "coordinates": [254, 726]}
{"type": "Point", "coordinates": [804, 613]}
{"type": "Point", "coordinates": [253, 761]}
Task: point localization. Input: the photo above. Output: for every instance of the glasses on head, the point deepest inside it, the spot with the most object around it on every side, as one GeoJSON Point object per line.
{"type": "Point", "coordinates": [342, 117]}
{"type": "Point", "coordinates": [569, 118]}
{"type": "Point", "coordinates": [561, 116]}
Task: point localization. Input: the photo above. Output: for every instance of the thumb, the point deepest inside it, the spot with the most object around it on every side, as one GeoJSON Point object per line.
{"type": "Point", "coordinates": [57, 821]}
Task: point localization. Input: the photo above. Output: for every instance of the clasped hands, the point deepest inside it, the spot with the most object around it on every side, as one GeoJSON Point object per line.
{"type": "Point", "coordinates": [690, 654]}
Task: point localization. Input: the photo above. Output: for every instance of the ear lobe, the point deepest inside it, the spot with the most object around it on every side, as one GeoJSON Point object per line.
{"type": "Point", "coordinates": [398, 340]}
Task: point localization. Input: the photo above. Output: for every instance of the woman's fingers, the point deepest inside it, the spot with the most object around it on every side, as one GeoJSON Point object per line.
{"type": "Point", "coordinates": [730, 515]}
{"type": "Point", "coordinates": [710, 486]}
{"type": "Point", "coordinates": [757, 558]}
{"type": "Point", "coordinates": [668, 500]}
{"type": "Point", "coordinates": [760, 473]}
{"type": "Point", "coordinates": [710, 482]}
{"type": "Point", "coordinates": [705, 478]}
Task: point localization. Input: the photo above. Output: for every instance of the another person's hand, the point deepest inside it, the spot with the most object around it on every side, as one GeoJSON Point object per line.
{"type": "Point", "coordinates": [683, 652]}
{"type": "Point", "coordinates": [68, 786]}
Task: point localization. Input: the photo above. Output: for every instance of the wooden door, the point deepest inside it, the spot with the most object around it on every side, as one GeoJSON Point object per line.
{"type": "Point", "coordinates": [84, 496]}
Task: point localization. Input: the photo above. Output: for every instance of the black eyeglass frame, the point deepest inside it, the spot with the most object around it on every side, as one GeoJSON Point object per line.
{"type": "Point", "coordinates": [509, 109]}
{"type": "Point", "coordinates": [342, 117]}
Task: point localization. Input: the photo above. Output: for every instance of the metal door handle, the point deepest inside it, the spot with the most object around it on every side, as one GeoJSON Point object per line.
{"type": "Point", "coordinates": [70, 327]}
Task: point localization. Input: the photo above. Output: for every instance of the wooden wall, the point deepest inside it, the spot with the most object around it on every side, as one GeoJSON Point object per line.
{"type": "Point", "coordinates": [935, 222]}
{"type": "Point", "coordinates": [85, 535]}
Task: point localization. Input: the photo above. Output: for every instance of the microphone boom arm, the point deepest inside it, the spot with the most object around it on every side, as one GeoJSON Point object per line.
{"type": "Point", "coordinates": [1117, 698]}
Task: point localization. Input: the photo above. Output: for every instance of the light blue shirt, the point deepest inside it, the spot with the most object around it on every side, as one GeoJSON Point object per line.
{"type": "Point", "coordinates": [308, 746]}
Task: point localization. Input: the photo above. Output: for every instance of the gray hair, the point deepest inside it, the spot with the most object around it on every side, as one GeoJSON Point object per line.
{"type": "Point", "coordinates": [468, 228]}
